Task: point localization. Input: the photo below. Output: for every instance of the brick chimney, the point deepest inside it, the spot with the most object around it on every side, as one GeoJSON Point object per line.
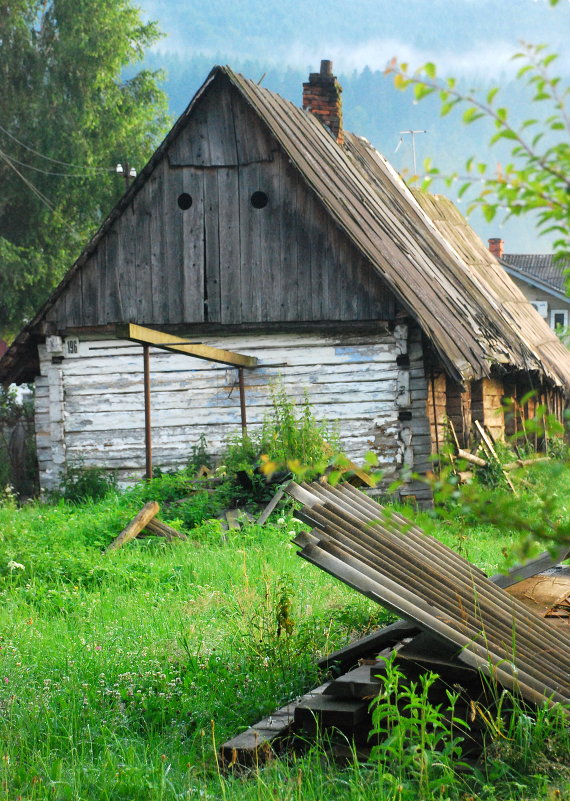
{"type": "Point", "coordinates": [321, 96]}
{"type": "Point", "coordinates": [497, 248]}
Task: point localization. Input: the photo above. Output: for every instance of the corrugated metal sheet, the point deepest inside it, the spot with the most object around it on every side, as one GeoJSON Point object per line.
{"type": "Point", "coordinates": [387, 558]}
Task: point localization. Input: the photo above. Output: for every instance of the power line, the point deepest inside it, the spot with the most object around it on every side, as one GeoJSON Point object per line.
{"type": "Point", "coordinates": [35, 190]}
{"type": "Point", "coordinates": [49, 158]}
{"type": "Point", "coordinates": [49, 172]}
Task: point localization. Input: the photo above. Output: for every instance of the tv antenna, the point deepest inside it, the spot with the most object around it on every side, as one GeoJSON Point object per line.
{"type": "Point", "coordinates": [411, 133]}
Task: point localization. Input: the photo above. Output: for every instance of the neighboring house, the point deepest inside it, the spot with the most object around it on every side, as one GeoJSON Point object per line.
{"type": "Point", "coordinates": [541, 279]}
{"type": "Point", "coordinates": [265, 229]}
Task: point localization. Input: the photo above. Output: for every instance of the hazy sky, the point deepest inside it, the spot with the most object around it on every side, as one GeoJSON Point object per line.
{"type": "Point", "coordinates": [462, 36]}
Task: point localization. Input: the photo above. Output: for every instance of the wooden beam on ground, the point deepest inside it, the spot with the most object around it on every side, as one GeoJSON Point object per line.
{"type": "Point", "coordinates": [135, 527]}
{"type": "Point", "coordinates": [470, 457]}
{"type": "Point", "coordinates": [270, 507]}
{"type": "Point", "coordinates": [160, 529]}
{"type": "Point", "coordinates": [489, 448]}
{"type": "Point", "coordinates": [161, 339]}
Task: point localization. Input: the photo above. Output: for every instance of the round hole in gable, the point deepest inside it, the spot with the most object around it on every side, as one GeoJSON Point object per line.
{"type": "Point", "coordinates": [184, 201]}
{"type": "Point", "coordinates": [259, 200]}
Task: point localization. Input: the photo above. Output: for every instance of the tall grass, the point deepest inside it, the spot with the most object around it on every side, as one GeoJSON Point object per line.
{"type": "Point", "coordinates": [120, 673]}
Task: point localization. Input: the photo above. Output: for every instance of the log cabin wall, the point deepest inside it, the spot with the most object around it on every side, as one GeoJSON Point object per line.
{"type": "Point", "coordinates": [458, 409]}
{"type": "Point", "coordinates": [223, 231]}
{"type": "Point", "coordinates": [436, 408]}
{"type": "Point", "coordinates": [90, 408]}
{"type": "Point", "coordinates": [487, 405]}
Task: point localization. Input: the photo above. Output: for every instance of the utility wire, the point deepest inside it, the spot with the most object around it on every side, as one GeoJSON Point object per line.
{"type": "Point", "coordinates": [48, 172]}
{"type": "Point", "coordinates": [35, 190]}
{"type": "Point", "coordinates": [49, 158]}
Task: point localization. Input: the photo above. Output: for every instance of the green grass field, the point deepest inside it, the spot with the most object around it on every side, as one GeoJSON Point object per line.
{"type": "Point", "coordinates": [121, 673]}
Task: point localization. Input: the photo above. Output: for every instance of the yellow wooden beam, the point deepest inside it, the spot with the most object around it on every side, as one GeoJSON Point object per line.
{"type": "Point", "coordinates": [160, 339]}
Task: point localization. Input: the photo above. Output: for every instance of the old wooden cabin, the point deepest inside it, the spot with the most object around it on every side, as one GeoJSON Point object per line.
{"type": "Point", "coordinates": [266, 230]}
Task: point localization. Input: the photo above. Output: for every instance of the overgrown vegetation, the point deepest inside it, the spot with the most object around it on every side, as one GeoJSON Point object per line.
{"type": "Point", "coordinates": [120, 674]}
{"type": "Point", "coordinates": [113, 668]}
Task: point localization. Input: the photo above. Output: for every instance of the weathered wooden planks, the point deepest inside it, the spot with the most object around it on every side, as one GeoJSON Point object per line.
{"type": "Point", "coordinates": [99, 420]}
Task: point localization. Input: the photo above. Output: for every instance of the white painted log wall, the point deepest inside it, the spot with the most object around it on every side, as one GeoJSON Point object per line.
{"type": "Point", "coordinates": [90, 409]}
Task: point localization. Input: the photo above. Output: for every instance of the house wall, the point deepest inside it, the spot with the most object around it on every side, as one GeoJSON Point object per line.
{"type": "Point", "coordinates": [222, 260]}
{"type": "Point", "coordinates": [535, 295]}
{"type": "Point", "coordinates": [90, 408]}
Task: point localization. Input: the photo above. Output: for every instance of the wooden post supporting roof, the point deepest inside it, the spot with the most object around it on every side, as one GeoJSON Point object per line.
{"type": "Point", "coordinates": [160, 339]}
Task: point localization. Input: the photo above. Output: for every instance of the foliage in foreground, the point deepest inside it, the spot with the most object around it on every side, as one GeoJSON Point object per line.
{"type": "Point", "coordinates": [536, 177]}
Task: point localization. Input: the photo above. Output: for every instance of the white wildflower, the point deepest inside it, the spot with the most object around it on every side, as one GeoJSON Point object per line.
{"type": "Point", "coordinates": [15, 565]}
{"type": "Point", "coordinates": [281, 521]}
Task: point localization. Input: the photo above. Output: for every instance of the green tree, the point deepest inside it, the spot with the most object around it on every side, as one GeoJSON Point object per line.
{"type": "Point", "coordinates": [68, 114]}
{"type": "Point", "coordinates": [536, 177]}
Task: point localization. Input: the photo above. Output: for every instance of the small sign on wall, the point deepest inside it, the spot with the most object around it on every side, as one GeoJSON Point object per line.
{"type": "Point", "coordinates": [71, 348]}
{"type": "Point", "coordinates": [54, 344]}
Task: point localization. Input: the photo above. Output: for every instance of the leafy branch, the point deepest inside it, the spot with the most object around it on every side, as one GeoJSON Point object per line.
{"type": "Point", "coordinates": [538, 176]}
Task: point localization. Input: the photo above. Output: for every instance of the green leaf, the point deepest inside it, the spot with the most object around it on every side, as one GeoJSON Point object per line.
{"type": "Point", "coordinates": [491, 94]}
{"type": "Point", "coordinates": [471, 114]}
{"type": "Point", "coordinates": [421, 91]}
{"type": "Point", "coordinates": [430, 70]}
{"type": "Point", "coordinates": [462, 189]}
{"type": "Point", "coordinates": [489, 212]}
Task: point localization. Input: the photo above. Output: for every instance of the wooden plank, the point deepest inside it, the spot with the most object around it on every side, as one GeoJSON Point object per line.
{"type": "Point", "coordinates": [270, 507]}
{"type": "Point", "coordinates": [327, 710]}
{"type": "Point", "coordinates": [136, 525]}
{"type": "Point", "coordinates": [289, 252]}
{"type": "Point", "coordinates": [250, 244]}
{"type": "Point", "coordinates": [273, 284]}
{"type": "Point", "coordinates": [212, 312]}
{"type": "Point", "coordinates": [230, 264]}
{"type": "Point", "coordinates": [142, 275]}
{"type": "Point", "coordinates": [160, 339]}
{"type": "Point", "coordinates": [193, 245]}
{"type": "Point", "coordinates": [362, 682]}
{"type": "Point", "coordinates": [537, 565]}
{"type": "Point", "coordinates": [161, 529]}
{"type": "Point", "coordinates": [369, 645]}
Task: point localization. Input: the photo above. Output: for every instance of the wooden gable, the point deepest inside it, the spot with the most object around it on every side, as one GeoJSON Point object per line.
{"type": "Point", "coordinates": [194, 245]}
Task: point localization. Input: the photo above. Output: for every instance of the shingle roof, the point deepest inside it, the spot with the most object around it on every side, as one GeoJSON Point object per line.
{"type": "Point", "coordinates": [542, 266]}
{"type": "Point", "coordinates": [420, 245]}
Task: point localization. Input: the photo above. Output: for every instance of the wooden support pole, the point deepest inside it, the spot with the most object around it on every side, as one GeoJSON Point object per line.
{"type": "Point", "coordinates": [242, 402]}
{"type": "Point", "coordinates": [136, 525]}
{"type": "Point", "coordinates": [147, 425]}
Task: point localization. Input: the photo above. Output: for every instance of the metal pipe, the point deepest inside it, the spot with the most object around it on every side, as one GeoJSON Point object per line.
{"type": "Point", "coordinates": [147, 426]}
{"type": "Point", "coordinates": [242, 402]}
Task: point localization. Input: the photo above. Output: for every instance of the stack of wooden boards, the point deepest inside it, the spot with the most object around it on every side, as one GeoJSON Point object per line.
{"type": "Point", "coordinates": [457, 623]}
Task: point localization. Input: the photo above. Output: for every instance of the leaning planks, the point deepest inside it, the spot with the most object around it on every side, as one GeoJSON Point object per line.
{"type": "Point", "coordinates": [387, 558]}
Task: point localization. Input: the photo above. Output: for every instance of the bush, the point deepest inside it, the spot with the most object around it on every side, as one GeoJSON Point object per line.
{"type": "Point", "coordinates": [79, 483]}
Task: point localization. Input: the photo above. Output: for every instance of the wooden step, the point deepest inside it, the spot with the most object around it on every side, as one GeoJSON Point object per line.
{"type": "Point", "coordinates": [322, 711]}
{"type": "Point", "coordinates": [258, 743]}
{"type": "Point", "coordinates": [358, 683]}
